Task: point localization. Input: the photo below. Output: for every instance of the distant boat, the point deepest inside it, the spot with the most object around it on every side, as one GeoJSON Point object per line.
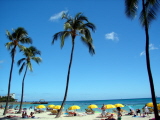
{"type": "Point", "coordinates": [41, 101]}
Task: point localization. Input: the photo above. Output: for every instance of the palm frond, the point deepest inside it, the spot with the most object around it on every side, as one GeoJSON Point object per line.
{"type": "Point", "coordinates": [56, 36]}
{"type": "Point", "coordinates": [91, 48]}
{"type": "Point", "coordinates": [37, 59]}
{"type": "Point", "coordinates": [29, 66]}
{"type": "Point", "coordinates": [20, 61]}
{"type": "Point", "coordinates": [64, 15]}
{"type": "Point", "coordinates": [20, 32]}
{"type": "Point", "coordinates": [80, 17]}
{"type": "Point", "coordinates": [67, 26]}
{"type": "Point", "coordinates": [64, 36]}
{"type": "Point", "coordinates": [86, 33]}
{"type": "Point", "coordinates": [90, 25]}
{"type": "Point", "coordinates": [9, 36]}
{"type": "Point", "coordinates": [21, 68]}
{"type": "Point", "coordinates": [149, 12]}
{"type": "Point", "coordinates": [74, 26]}
{"type": "Point", "coordinates": [33, 51]}
{"type": "Point", "coordinates": [21, 47]}
{"type": "Point", "coordinates": [88, 43]}
{"type": "Point", "coordinates": [27, 40]}
{"type": "Point", "coordinates": [131, 7]}
{"type": "Point", "coordinates": [9, 45]}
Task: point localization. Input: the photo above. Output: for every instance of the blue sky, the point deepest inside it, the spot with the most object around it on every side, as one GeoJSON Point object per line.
{"type": "Point", "coordinates": [117, 70]}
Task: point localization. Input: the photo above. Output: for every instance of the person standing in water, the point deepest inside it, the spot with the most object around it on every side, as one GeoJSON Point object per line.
{"type": "Point", "coordinates": [103, 108]}
{"type": "Point", "coordinates": [119, 114]}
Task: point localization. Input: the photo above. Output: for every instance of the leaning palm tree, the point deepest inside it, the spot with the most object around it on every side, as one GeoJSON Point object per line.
{"type": "Point", "coordinates": [77, 26]}
{"type": "Point", "coordinates": [18, 36]}
{"type": "Point", "coordinates": [29, 54]}
{"type": "Point", "coordinates": [148, 13]}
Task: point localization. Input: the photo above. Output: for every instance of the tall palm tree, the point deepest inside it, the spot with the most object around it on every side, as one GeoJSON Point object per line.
{"type": "Point", "coordinates": [29, 54]}
{"type": "Point", "coordinates": [148, 13]}
{"type": "Point", "coordinates": [18, 36]}
{"type": "Point", "coordinates": [77, 26]}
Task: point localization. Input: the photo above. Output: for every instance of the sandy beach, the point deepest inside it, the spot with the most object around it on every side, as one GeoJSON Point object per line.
{"type": "Point", "coordinates": [47, 116]}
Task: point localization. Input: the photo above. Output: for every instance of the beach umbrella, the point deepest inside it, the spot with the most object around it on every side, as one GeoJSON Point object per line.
{"type": "Point", "coordinates": [74, 107]}
{"type": "Point", "coordinates": [158, 105]}
{"type": "Point", "coordinates": [109, 106]}
{"type": "Point", "coordinates": [150, 104]}
{"type": "Point", "coordinates": [92, 106]}
{"type": "Point", "coordinates": [50, 106]}
{"type": "Point", "coordinates": [119, 105]}
{"type": "Point", "coordinates": [41, 106]}
{"type": "Point", "coordinates": [57, 107]}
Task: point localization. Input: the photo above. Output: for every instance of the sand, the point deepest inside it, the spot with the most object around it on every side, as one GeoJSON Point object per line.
{"type": "Point", "coordinates": [46, 116]}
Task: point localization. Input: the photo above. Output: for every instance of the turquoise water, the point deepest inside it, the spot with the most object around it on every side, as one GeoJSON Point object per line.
{"type": "Point", "coordinates": [137, 103]}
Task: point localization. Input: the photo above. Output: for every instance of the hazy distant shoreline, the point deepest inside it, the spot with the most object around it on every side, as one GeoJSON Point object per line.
{"type": "Point", "coordinates": [3, 103]}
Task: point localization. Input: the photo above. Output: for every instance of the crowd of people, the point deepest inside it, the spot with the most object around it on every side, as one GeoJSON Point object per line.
{"type": "Point", "coordinates": [111, 116]}
{"type": "Point", "coordinates": [145, 112]}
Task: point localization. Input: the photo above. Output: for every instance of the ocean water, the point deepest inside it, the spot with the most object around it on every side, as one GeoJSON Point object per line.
{"type": "Point", "coordinates": [136, 103]}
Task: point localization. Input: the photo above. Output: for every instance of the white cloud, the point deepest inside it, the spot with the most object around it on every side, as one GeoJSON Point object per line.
{"type": "Point", "coordinates": [112, 36]}
{"type": "Point", "coordinates": [57, 16]}
{"type": "Point", "coordinates": [151, 47]}
{"type": "Point", "coordinates": [142, 53]}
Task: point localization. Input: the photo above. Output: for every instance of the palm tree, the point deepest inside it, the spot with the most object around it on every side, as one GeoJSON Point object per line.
{"type": "Point", "coordinates": [29, 54]}
{"type": "Point", "coordinates": [18, 35]}
{"type": "Point", "coordinates": [77, 26]}
{"type": "Point", "coordinates": [148, 13]}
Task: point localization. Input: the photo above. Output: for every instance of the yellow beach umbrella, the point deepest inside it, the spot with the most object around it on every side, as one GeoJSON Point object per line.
{"type": "Point", "coordinates": [158, 105]}
{"type": "Point", "coordinates": [74, 107]}
{"type": "Point", "coordinates": [50, 106]}
{"type": "Point", "coordinates": [92, 106]}
{"type": "Point", "coordinates": [57, 107]}
{"type": "Point", "coordinates": [109, 106]}
{"type": "Point", "coordinates": [41, 106]}
{"type": "Point", "coordinates": [119, 105]}
{"type": "Point", "coordinates": [150, 104]}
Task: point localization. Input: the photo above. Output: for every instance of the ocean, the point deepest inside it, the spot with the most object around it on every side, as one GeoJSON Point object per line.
{"type": "Point", "coordinates": [135, 103]}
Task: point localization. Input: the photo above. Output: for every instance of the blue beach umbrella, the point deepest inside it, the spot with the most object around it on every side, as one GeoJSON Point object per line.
{"type": "Point", "coordinates": [130, 108]}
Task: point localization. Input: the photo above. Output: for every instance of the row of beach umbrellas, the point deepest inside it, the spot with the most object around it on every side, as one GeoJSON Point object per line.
{"type": "Point", "coordinates": [74, 107]}
{"type": "Point", "coordinates": [151, 105]}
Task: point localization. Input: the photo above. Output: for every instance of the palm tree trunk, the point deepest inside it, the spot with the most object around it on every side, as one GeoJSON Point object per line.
{"type": "Point", "coordinates": [9, 83]}
{"type": "Point", "coordinates": [67, 84]}
{"type": "Point", "coordinates": [148, 65]}
{"type": "Point", "coordinates": [20, 108]}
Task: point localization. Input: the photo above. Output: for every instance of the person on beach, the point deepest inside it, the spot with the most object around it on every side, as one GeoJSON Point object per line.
{"type": "Point", "coordinates": [131, 112]}
{"type": "Point", "coordinates": [111, 117]}
{"type": "Point", "coordinates": [146, 110]}
{"type": "Point", "coordinates": [24, 115]}
{"type": "Point", "coordinates": [119, 114]}
{"type": "Point", "coordinates": [138, 111]}
{"type": "Point", "coordinates": [103, 108]}
{"type": "Point", "coordinates": [31, 115]}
